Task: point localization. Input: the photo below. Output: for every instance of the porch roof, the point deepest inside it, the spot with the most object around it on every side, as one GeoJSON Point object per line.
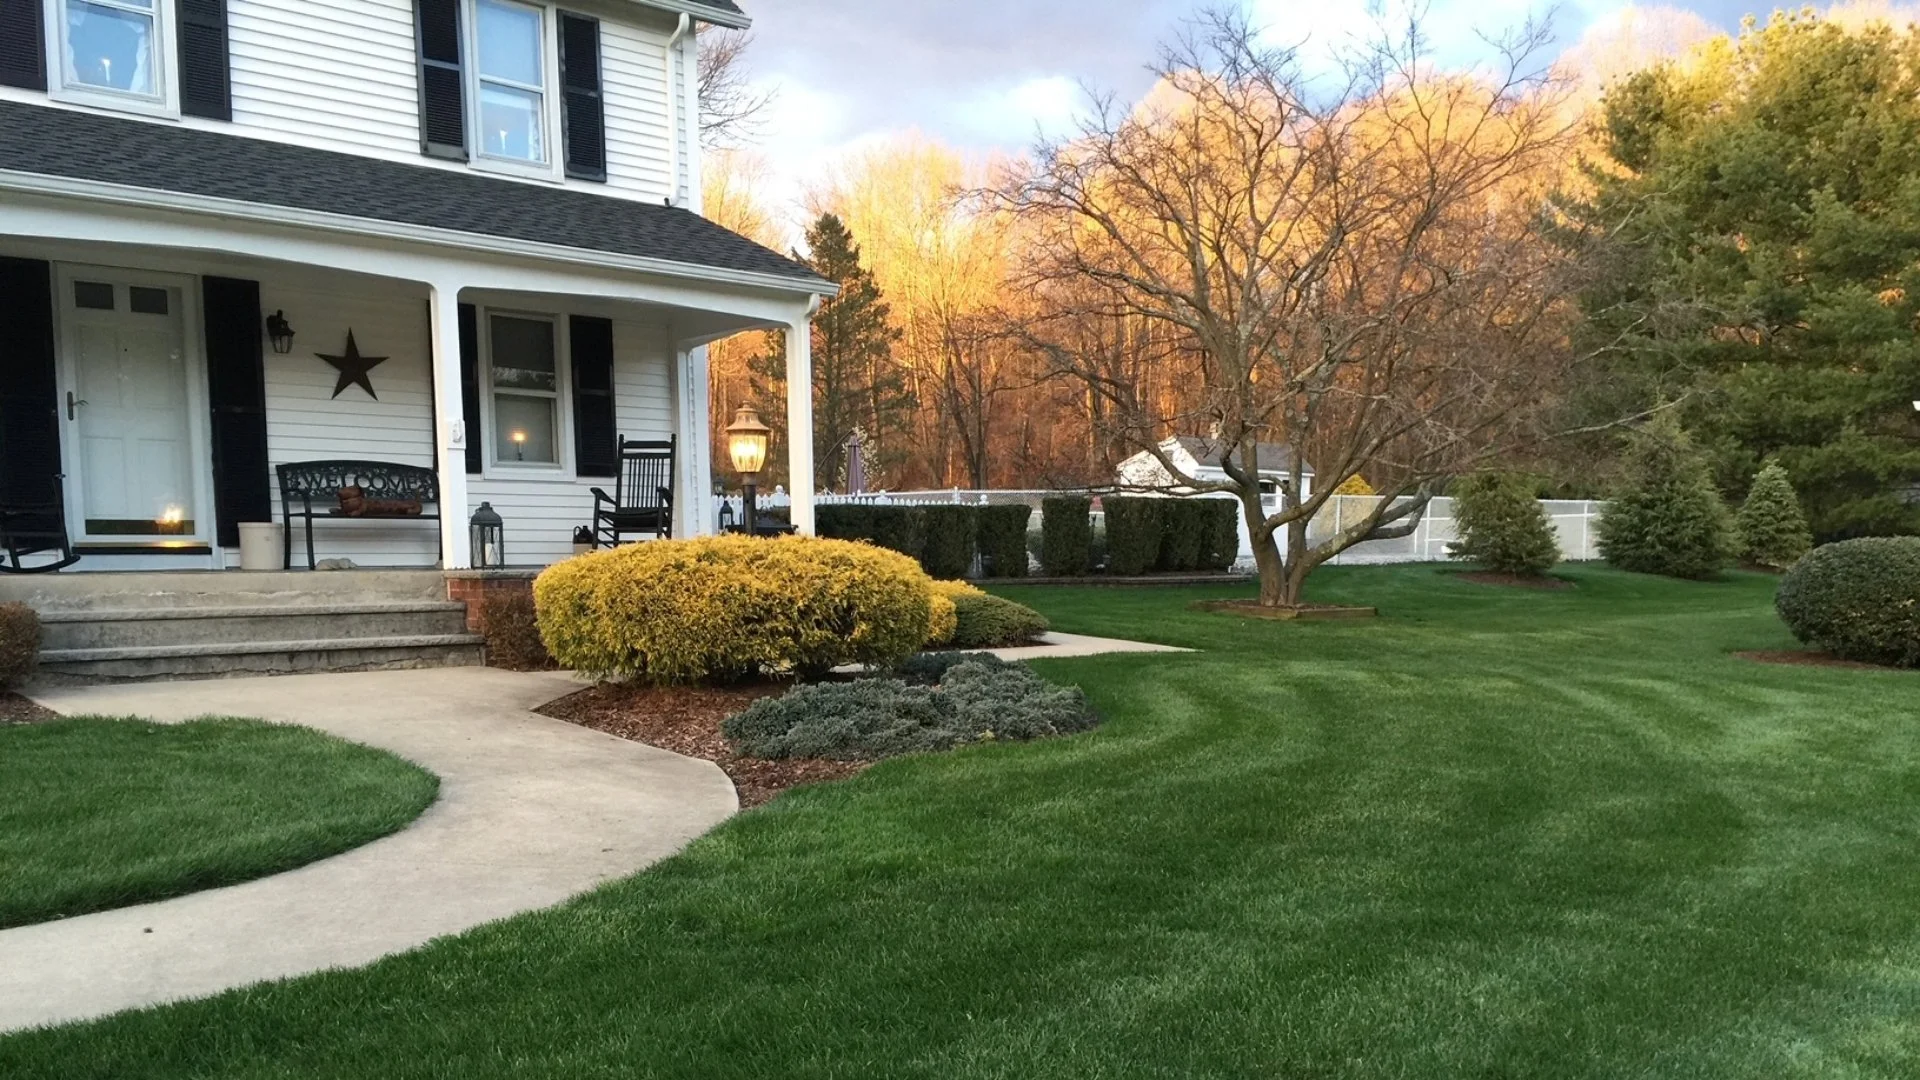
{"type": "Point", "coordinates": [85, 146]}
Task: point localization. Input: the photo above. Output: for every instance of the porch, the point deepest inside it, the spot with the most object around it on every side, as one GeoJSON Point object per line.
{"type": "Point", "coordinates": [500, 335]}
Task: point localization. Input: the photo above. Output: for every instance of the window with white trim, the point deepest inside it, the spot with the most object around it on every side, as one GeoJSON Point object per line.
{"type": "Point", "coordinates": [509, 77]}
{"type": "Point", "coordinates": [523, 356]}
{"type": "Point", "coordinates": [112, 48]}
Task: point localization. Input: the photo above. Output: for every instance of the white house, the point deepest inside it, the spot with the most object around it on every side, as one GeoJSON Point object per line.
{"type": "Point", "coordinates": [479, 219]}
{"type": "Point", "coordinates": [1199, 457]}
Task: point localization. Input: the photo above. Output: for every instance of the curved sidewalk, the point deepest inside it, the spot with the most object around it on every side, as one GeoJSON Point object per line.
{"type": "Point", "coordinates": [531, 811]}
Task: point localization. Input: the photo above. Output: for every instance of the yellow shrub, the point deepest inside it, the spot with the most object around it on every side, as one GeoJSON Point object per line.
{"type": "Point", "coordinates": [942, 621]}
{"type": "Point", "coordinates": [725, 607]}
{"type": "Point", "coordinates": [1355, 485]}
{"type": "Point", "coordinates": [951, 589]}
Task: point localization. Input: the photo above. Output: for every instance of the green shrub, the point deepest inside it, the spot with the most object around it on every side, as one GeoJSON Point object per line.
{"type": "Point", "coordinates": [1502, 526]}
{"type": "Point", "coordinates": [512, 630]}
{"type": "Point", "coordinates": [19, 644]}
{"type": "Point", "coordinates": [1670, 520]}
{"type": "Point", "coordinates": [947, 548]}
{"type": "Point", "coordinates": [722, 607]}
{"type": "Point", "coordinates": [876, 718]}
{"type": "Point", "coordinates": [985, 621]}
{"type": "Point", "coordinates": [1135, 525]}
{"type": "Point", "coordinates": [1773, 528]}
{"type": "Point", "coordinates": [1002, 533]}
{"type": "Point", "coordinates": [1857, 599]}
{"type": "Point", "coordinates": [1220, 547]}
{"type": "Point", "coordinates": [896, 528]}
{"type": "Point", "coordinates": [1183, 535]}
{"type": "Point", "coordinates": [1066, 535]}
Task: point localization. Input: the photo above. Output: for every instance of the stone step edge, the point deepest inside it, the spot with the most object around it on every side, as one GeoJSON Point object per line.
{"type": "Point", "coordinates": [251, 648]}
{"type": "Point", "coordinates": [253, 611]}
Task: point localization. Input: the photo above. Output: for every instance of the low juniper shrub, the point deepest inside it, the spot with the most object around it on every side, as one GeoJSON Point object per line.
{"type": "Point", "coordinates": [875, 718]}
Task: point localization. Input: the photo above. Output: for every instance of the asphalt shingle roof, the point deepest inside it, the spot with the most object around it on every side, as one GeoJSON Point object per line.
{"type": "Point", "coordinates": [1273, 456]}
{"type": "Point", "coordinates": [160, 157]}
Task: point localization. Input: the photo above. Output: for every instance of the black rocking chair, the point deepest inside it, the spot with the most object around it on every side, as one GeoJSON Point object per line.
{"type": "Point", "coordinates": [35, 523]}
{"type": "Point", "coordinates": [642, 499]}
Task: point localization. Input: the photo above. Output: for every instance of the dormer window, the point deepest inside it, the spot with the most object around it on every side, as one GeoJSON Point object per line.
{"type": "Point", "coordinates": [510, 45]}
{"type": "Point", "coordinates": [111, 47]}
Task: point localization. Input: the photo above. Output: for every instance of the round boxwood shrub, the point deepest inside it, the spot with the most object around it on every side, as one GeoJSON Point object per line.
{"type": "Point", "coordinates": [985, 621]}
{"type": "Point", "coordinates": [724, 607]}
{"type": "Point", "coordinates": [1857, 599]}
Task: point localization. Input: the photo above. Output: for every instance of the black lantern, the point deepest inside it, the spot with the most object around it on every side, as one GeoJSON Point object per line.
{"type": "Point", "coordinates": [280, 333]}
{"type": "Point", "coordinates": [489, 548]}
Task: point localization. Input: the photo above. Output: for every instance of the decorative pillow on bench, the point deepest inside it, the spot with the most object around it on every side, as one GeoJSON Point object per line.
{"type": "Point", "coordinates": [355, 503]}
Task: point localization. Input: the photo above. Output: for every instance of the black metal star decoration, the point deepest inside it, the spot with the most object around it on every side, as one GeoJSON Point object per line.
{"type": "Point", "coordinates": [353, 368]}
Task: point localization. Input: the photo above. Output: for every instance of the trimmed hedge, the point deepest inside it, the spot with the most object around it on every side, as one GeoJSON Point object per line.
{"type": "Point", "coordinates": [1183, 534]}
{"type": "Point", "coordinates": [512, 629]}
{"type": "Point", "coordinates": [876, 718]}
{"type": "Point", "coordinates": [1220, 520]}
{"type": "Point", "coordinates": [1857, 599]}
{"type": "Point", "coordinates": [896, 528]}
{"type": "Point", "coordinates": [723, 607]}
{"type": "Point", "coordinates": [19, 644]}
{"type": "Point", "coordinates": [1066, 535]}
{"type": "Point", "coordinates": [1002, 535]}
{"type": "Point", "coordinates": [948, 545]}
{"type": "Point", "coordinates": [1134, 527]}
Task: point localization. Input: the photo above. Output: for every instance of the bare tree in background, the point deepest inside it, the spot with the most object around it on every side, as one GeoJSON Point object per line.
{"type": "Point", "coordinates": [1354, 269]}
{"type": "Point", "coordinates": [731, 109]}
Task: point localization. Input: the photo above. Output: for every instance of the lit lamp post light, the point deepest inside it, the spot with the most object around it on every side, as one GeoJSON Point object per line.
{"type": "Point", "coordinates": [747, 440]}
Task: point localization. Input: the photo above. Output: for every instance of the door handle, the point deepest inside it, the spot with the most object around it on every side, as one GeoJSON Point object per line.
{"type": "Point", "coordinates": [73, 404]}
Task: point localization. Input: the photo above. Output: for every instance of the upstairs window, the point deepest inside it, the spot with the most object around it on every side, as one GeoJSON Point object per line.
{"type": "Point", "coordinates": [111, 47]}
{"type": "Point", "coordinates": [510, 82]}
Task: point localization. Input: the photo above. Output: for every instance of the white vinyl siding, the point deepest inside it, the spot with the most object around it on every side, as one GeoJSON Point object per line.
{"type": "Point", "coordinates": [306, 423]}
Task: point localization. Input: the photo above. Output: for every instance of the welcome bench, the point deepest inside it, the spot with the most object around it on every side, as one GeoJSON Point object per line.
{"type": "Point", "coordinates": [381, 490]}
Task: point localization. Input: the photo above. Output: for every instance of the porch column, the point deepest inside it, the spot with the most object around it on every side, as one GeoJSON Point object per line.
{"type": "Point", "coordinates": [800, 423]}
{"type": "Point", "coordinates": [693, 508]}
{"type": "Point", "coordinates": [450, 441]}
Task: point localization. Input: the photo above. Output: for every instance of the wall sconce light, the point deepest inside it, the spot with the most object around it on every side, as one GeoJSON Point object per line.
{"type": "Point", "coordinates": [280, 333]}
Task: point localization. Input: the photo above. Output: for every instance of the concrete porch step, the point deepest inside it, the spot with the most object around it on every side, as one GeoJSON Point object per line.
{"type": "Point", "coordinates": [231, 659]}
{"type": "Point", "coordinates": [172, 590]}
{"type": "Point", "coordinates": [199, 625]}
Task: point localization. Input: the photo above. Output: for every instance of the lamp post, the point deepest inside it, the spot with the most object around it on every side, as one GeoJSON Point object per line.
{"type": "Point", "coordinates": [747, 441]}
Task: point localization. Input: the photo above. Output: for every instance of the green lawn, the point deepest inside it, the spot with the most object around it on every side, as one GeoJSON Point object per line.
{"type": "Point", "coordinates": [99, 813]}
{"type": "Point", "coordinates": [1494, 834]}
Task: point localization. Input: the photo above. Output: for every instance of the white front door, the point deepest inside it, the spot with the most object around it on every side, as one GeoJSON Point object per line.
{"type": "Point", "coordinates": [131, 403]}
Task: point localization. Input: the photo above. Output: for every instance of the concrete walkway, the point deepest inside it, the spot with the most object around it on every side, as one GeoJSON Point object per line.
{"type": "Point", "coordinates": [1058, 646]}
{"type": "Point", "coordinates": [531, 811]}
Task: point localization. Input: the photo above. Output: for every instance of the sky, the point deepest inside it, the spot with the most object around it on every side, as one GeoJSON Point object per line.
{"type": "Point", "coordinates": [992, 75]}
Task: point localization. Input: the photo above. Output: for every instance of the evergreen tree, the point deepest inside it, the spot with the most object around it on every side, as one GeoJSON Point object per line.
{"type": "Point", "coordinates": [1773, 530]}
{"type": "Point", "coordinates": [856, 382]}
{"type": "Point", "coordinates": [1670, 520]}
{"type": "Point", "coordinates": [1502, 526]}
{"type": "Point", "coordinates": [1762, 210]}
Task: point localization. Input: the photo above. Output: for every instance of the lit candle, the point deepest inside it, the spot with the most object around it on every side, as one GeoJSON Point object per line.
{"type": "Point", "coordinates": [519, 445]}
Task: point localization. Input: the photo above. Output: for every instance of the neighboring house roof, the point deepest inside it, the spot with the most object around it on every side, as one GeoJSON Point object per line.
{"type": "Point", "coordinates": [79, 145]}
{"type": "Point", "coordinates": [719, 12]}
{"type": "Point", "coordinates": [1274, 458]}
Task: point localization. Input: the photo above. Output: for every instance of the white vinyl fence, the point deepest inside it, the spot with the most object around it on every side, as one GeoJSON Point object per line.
{"type": "Point", "coordinates": [1573, 521]}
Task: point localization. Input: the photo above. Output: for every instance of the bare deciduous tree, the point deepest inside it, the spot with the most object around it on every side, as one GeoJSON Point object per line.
{"type": "Point", "coordinates": [731, 108]}
{"type": "Point", "coordinates": [1351, 268]}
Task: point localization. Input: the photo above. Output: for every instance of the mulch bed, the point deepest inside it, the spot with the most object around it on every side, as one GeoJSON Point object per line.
{"type": "Point", "coordinates": [1808, 658]}
{"type": "Point", "coordinates": [15, 709]}
{"type": "Point", "coordinates": [1303, 613]}
{"type": "Point", "coordinates": [686, 720]}
{"type": "Point", "coordinates": [1516, 581]}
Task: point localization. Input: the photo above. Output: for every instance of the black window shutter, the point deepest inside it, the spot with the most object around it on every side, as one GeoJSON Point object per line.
{"type": "Point", "coordinates": [237, 392]}
{"type": "Point", "coordinates": [585, 125]}
{"type": "Point", "coordinates": [443, 110]}
{"type": "Point", "coordinates": [596, 449]}
{"type": "Point", "coordinates": [470, 387]}
{"type": "Point", "coordinates": [205, 82]}
{"type": "Point", "coordinates": [23, 45]}
{"type": "Point", "coordinates": [29, 389]}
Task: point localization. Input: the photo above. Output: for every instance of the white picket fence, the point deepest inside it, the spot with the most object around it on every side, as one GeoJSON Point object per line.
{"type": "Point", "coordinates": [1573, 521]}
